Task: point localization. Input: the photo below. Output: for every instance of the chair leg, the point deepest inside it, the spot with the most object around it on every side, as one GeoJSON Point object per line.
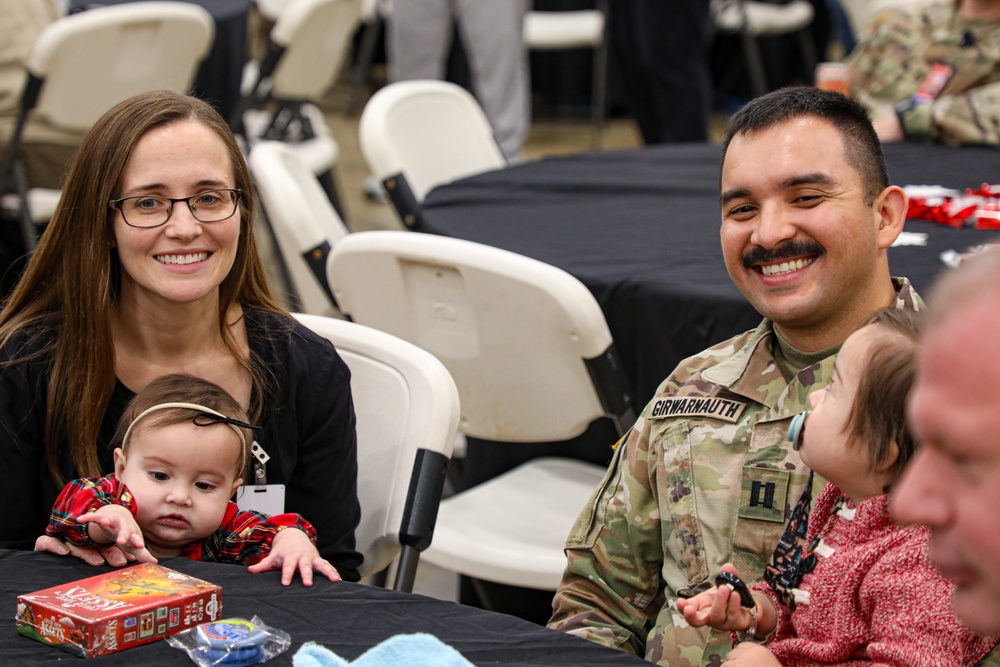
{"type": "Point", "coordinates": [485, 599]}
{"type": "Point", "coordinates": [406, 570]}
{"type": "Point", "coordinates": [599, 92]}
{"type": "Point", "coordinates": [29, 230]}
{"type": "Point", "coordinates": [329, 183]}
{"type": "Point", "coordinates": [363, 62]}
{"type": "Point", "coordinates": [599, 88]}
{"type": "Point", "coordinates": [725, 83]}
{"type": "Point", "coordinates": [808, 48]}
{"type": "Point", "coordinates": [755, 63]}
{"type": "Point", "coordinates": [294, 302]}
{"type": "Point", "coordinates": [380, 578]}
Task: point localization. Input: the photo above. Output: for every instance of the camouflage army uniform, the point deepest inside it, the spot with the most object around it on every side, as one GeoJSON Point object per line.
{"type": "Point", "coordinates": [705, 477]}
{"type": "Point", "coordinates": [898, 51]}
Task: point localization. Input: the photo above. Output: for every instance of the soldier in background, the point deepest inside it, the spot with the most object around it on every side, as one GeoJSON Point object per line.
{"type": "Point", "coordinates": [706, 476]}
{"type": "Point", "coordinates": [931, 72]}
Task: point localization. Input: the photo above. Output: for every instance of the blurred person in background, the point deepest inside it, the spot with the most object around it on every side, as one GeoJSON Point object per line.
{"type": "Point", "coordinates": [661, 49]}
{"type": "Point", "coordinates": [931, 72]}
{"type": "Point", "coordinates": [419, 40]}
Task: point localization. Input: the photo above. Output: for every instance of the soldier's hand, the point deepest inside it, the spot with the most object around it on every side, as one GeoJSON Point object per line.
{"type": "Point", "coordinates": [889, 128]}
{"type": "Point", "coordinates": [718, 607]}
{"type": "Point", "coordinates": [696, 609]}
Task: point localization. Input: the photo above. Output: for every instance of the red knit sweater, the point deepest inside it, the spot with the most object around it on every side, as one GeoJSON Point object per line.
{"type": "Point", "coordinates": [876, 599]}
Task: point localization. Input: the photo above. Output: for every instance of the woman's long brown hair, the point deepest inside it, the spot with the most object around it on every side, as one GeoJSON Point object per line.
{"type": "Point", "coordinates": [73, 279]}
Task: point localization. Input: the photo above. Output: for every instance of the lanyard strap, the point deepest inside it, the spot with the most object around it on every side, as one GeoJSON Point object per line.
{"type": "Point", "coordinates": [792, 558]}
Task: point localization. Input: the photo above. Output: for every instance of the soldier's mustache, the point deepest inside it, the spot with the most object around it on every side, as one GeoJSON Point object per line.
{"type": "Point", "coordinates": [758, 255]}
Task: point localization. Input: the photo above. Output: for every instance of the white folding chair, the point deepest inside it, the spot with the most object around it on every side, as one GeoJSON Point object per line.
{"type": "Point", "coordinates": [305, 52]}
{"type": "Point", "coordinates": [753, 19]}
{"type": "Point", "coordinates": [416, 135]}
{"type": "Point", "coordinates": [83, 64]}
{"type": "Point", "coordinates": [407, 412]}
{"type": "Point", "coordinates": [576, 29]}
{"type": "Point", "coordinates": [303, 222]}
{"type": "Point", "coordinates": [533, 360]}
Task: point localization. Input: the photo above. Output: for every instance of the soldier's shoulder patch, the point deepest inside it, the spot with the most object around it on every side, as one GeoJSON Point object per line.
{"type": "Point", "coordinates": [718, 408]}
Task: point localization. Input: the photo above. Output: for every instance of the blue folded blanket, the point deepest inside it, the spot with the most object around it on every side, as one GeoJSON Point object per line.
{"type": "Point", "coordinates": [416, 650]}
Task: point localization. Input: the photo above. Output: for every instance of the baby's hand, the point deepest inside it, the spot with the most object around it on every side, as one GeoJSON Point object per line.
{"type": "Point", "coordinates": [114, 524]}
{"type": "Point", "coordinates": [291, 550]}
{"type": "Point", "coordinates": [718, 607]}
{"type": "Point", "coordinates": [748, 654]}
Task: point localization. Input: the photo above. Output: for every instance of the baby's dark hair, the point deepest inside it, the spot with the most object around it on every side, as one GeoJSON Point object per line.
{"type": "Point", "coordinates": [878, 414]}
{"type": "Point", "coordinates": [182, 388]}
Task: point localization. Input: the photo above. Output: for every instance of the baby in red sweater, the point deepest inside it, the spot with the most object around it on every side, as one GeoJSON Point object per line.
{"type": "Point", "coordinates": [845, 584]}
{"type": "Point", "coordinates": [183, 453]}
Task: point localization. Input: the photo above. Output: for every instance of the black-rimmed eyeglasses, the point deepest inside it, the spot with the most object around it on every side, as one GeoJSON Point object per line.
{"type": "Point", "coordinates": [145, 211]}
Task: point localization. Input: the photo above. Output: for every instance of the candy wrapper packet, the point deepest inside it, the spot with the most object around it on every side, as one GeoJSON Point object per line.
{"type": "Point", "coordinates": [232, 642]}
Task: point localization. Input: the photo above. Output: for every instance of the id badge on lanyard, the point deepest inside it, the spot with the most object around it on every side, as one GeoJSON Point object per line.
{"type": "Point", "coordinates": [261, 496]}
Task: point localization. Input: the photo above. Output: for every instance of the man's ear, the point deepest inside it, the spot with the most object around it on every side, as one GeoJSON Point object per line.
{"type": "Point", "coordinates": [119, 462]}
{"type": "Point", "coordinates": [890, 212]}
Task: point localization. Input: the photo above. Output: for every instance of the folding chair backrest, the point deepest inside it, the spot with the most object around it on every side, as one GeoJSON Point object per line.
{"type": "Point", "coordinates": [92, 60]}
{"type": "Point", "coordinates": [555, 31]}
{"type": "Point", "coordinates": [304, 222]}
{"type": "Point", "coordinates": [315, 36]}
{"type": "Point", "coordinates": [429, 132]}
{"type": "Point", "coordinates": [407, 409]}
{"type": "Point", "coordinates": [526, 342]}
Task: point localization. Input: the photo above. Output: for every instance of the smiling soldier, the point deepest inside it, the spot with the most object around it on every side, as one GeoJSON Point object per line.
{"type": "Point", "coordinates": [706, 475]}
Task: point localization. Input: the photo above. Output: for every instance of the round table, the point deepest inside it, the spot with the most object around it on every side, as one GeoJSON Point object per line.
{"type": "Point", "coordinates": [346, 618]}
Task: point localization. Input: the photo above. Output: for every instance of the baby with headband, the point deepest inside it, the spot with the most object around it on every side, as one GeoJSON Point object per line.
{"type": "Point", "coordinates": [183, 451]}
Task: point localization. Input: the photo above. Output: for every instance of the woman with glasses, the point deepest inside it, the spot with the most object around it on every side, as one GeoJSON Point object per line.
{"type": "Point", "coordinates": [149, 267]}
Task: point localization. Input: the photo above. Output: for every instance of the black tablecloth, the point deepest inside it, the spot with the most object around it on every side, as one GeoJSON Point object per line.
{"type": "Point", "coordinates": [218, 80]}
{"type": "Point", "coordinates": [640, 228]}
{"type": "Point", "coordinates": [346, 618]}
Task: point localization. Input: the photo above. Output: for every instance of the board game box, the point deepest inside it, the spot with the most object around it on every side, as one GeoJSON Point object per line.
{"type": "Point", "coordinates": [117, 610]}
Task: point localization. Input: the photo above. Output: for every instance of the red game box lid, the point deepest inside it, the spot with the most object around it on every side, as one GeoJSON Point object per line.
{"type": "Point", "coordinates": [93, 616]}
